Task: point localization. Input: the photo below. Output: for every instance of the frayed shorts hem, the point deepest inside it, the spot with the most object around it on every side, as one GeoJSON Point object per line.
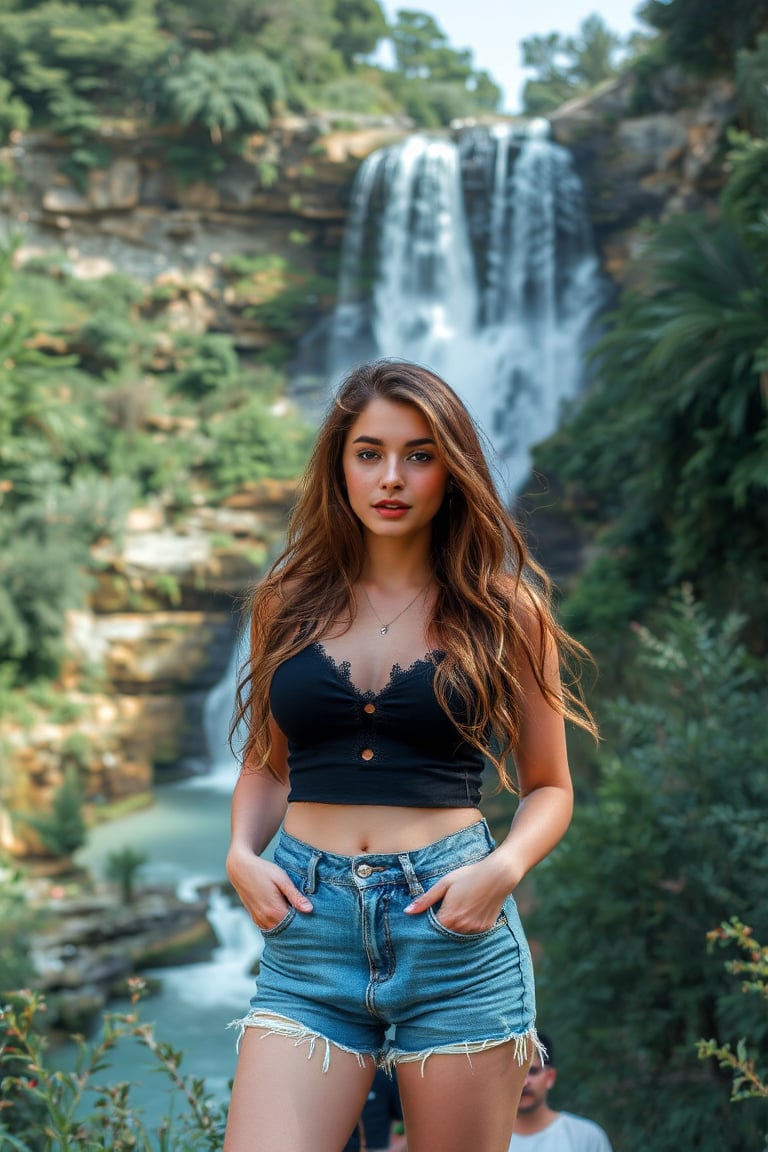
{"type": "Point", "coordinates": [526, 1043]}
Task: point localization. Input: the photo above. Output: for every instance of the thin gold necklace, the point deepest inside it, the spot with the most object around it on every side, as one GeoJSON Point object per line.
{"type": "Point", "coordinates": [384, 628]}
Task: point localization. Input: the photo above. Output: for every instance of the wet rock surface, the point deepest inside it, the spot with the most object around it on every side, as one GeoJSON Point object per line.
{"type": "Point", "coordinates": [85, 947]}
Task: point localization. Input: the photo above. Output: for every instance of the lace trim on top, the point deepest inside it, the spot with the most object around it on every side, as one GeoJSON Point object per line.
{"type": "Point", "coordinates": [343, 670]}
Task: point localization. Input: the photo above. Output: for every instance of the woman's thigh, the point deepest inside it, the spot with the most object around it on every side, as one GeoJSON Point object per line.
{"type": "Point", "coordinates": [284, 1101]}
{"type": "Point", "coordinates": [459, 1102]}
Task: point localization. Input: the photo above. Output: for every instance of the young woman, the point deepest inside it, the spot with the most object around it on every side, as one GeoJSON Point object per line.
{"type": "Point", "coordinates": [402, 640]}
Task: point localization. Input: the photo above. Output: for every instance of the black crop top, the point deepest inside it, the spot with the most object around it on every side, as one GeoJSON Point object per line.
{"type": "Point", "coordinates": [394, 747]}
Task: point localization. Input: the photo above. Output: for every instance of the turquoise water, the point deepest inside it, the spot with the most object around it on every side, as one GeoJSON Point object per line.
{"type": "Point", "coordinates": [184, 835]}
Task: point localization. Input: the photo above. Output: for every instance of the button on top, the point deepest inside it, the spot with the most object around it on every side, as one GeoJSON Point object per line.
{"type": "Point", "coordinates": [364, 870]}
{"type": "Point", "coordinates": [369, 708]}
{"type": "Point", "coordinates": [367, 753]}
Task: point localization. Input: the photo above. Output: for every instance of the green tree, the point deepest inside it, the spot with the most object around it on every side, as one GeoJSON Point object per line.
{"type": "Point", "coordinates": [250, 442]}
{"type": "Point", "coordinates": [565, 66]}
{"type": "Point", "coordinates": [14, 113]}
{"type": "Point", "coordinates": [707, 36]}
{"type": "Point", "coordinates": [123, 867]}
{"type": "Point", "coordinates": [752, 83]}
{"type": "Point", "coordinates": [670, 447]}
{"type": "Point", "coordinates": [57, 51]}
{"type": "Point", "coordinates": [434, 82]}
{"type": "Point", "coordinates": [205, 364]}
{"type": "Point", "coordinates": [594, 51]}
{"type": "Point", "coordinates": [16, 921]}
{"type": "Point", "coordinates": [225, 93]}
{"type": "Point", "coordinates": [674, 840]}
{"type": "Point", "coordinates": [552, 83]}
{"type": "Point", "coordinates": [745, 196]}
{"type": "Point", "coordinates": [42, 560]}
{"type": "Point", "coordinates": [228, 24]}
{"type": "Point", "coordinates": [422, 49]}
{"type": "Point", "coordinates": [362, 25]}
{"type": "Point", "coordinates": [62, 830]}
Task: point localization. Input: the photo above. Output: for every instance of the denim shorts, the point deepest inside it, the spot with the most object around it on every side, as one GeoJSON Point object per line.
{"type": "Point", "coordinates": [362, 975]}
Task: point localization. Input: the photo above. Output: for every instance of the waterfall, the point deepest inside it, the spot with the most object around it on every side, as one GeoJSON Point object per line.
{"type": "Point", "coordinates": [475, 258]}
{"type": "Point", "coordinates": [218, 711]}
{"type": "Point", "coordinates": [227, 978]}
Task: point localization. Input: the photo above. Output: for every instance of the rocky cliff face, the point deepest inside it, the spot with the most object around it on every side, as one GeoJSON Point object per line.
{"type": "Point", "coordinates": [161, 620]}
{"type": "Point", "coordinates": [638, 167]}
{"type": "Point", "coordinates": [144, 215]}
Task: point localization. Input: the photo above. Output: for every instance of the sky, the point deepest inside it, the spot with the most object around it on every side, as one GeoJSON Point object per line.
{"type": "Point", "coordinates": [494, 29]}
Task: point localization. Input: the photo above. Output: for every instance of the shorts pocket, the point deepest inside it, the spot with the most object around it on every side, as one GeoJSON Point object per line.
{"type": "Point", "coordinates": [281, 925]}
{"type": "Point", "coordinates": [299, 881]}
{"type": "Point", "coordinates": [469, 937]}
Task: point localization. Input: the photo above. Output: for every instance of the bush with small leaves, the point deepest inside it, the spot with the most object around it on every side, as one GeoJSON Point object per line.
{"type": "Point", "coordinates": [45, 1108]}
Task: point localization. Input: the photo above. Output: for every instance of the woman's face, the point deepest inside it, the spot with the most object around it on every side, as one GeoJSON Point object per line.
{"type": "Point", "coordinates": [395, 478]}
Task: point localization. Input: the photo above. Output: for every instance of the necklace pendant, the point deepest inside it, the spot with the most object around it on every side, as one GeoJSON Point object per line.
{"type": "Point", "coordinates": [384, 630]}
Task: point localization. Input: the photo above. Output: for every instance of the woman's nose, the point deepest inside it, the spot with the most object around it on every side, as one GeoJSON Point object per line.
{"type": "Point", "coordinates": [391, 476]}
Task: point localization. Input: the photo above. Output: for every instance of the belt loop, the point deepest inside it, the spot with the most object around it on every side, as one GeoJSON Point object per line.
{"type": "Point", "coordinates": [311, 883]}
{"type": "Point", "coordinates": [414, 887]}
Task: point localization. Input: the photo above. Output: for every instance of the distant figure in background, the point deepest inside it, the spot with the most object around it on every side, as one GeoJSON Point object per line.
{"type": "Point", "coordinates": [539, 1128]}
{"type": "Point", "coordinates": [374, 1132]}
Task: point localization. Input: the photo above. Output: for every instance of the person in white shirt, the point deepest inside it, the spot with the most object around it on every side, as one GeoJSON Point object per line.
{"type": "Point", "coordinates": [539, 1128]}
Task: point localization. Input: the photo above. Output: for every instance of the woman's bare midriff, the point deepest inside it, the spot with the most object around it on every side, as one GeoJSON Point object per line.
{"type": "Point", "coordinates": [353, 829]}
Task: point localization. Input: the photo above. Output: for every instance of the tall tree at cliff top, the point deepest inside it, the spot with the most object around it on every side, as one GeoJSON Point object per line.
{"type": "Point", "coordinates": [564, 66]}
{"type": "Point", "coordinates": [434, 81]}
{"type": "Point", "coordinates": [708, 35]}
{"type": "Point", "coordinates": [669, 451]}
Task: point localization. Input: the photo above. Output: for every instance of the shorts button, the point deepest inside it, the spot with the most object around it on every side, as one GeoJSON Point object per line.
{"type": "Point", "coordinates": [364, 871]}
{"type": "Point", "coordinates": [369, 708]}
{"type": "Point", "coordinates": [367, 753]}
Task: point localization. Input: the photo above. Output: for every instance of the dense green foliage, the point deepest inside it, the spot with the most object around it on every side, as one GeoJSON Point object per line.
{"type": "Point", "coordinates": [91, 383]}
{"type": "Point", "coordinates": [669, 451]}
{"type": "Point", "coordinates": [707, 36]}
{"type": "Point", "coordinates": [752, 83]}
{"type": "Point", "coordinates": [62, 830]}
{"type": "Point", "coordinates": [665, 462]}
{"type": "Point", "coordinates": [16, 921]}
{"type": "Point", "coordinates": [674, 841]}
{"type": "Point", "coordinates": [216, 73]}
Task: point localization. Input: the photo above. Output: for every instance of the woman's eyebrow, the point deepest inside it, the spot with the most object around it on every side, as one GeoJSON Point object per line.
{"type": "Point", "coordinates": [377, 440]}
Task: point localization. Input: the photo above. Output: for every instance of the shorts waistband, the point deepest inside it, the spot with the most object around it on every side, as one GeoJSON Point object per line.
{"type": "Point", "coordinates": [452, 851]}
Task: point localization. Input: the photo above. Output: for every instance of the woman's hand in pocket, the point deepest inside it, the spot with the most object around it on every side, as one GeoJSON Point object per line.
{"type": "Point", "coordinates": [265, 889]}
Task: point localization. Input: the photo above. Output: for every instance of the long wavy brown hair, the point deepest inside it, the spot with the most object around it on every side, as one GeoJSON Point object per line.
{"type": "Point", "coordinates": [493, 604]}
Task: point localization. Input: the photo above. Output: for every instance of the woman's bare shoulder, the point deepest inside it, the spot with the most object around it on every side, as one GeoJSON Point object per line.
{"type": "Point", "coordinates": [527, 604]}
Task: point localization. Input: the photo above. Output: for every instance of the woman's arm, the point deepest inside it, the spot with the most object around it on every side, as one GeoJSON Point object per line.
{"type": "Point", "coordinates": [544, 778]}
{"type": "Point", "coordinates": [472, 896]}
{"type": "Point", "coordinates": [259, 803]}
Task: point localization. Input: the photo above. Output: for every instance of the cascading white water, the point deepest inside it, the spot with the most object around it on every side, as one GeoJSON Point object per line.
{"type": "Point", "coordinates": [218, 711]}
{"type": "Point", "coordinates": [227, 977]}
{"type": "Point", "coordinates": [474, 258]}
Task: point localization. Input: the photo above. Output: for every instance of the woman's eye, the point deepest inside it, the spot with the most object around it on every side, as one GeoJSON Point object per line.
{"type": "Point", "coordinates": [366, 454]}
{"type": "Point", "coordinates": [422, 457]}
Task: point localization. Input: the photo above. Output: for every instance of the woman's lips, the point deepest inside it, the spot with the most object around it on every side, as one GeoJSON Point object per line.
{"type": "Point", "coordinates": [391, 509]}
